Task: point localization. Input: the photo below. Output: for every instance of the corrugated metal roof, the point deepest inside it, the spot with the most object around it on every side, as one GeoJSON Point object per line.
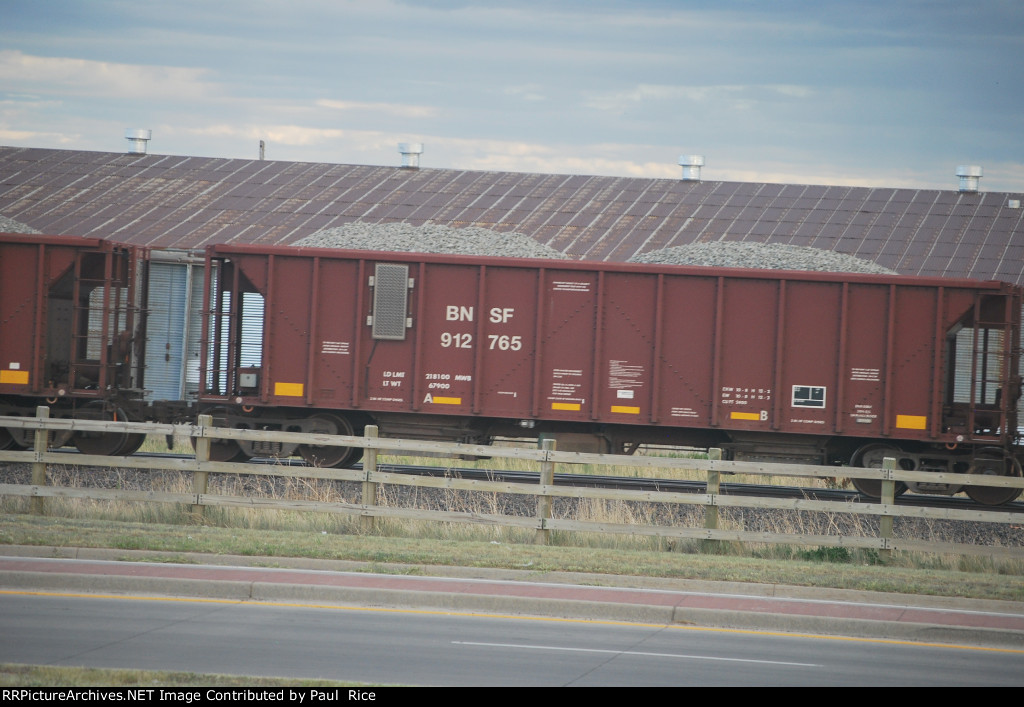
{"type": "Point", "coordinates": [163, 200]}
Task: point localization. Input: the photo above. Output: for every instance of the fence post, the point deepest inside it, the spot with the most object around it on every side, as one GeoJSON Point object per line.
{"type": "Point", "coordinates": [368, 522]}
{"type": "Point", "coordinates": [888, 498]}
{"type": "Point", "coordinates": [547, 478]}
{"type": "Point", "coordinates": [201, 478]}
{"type": "Point", "coordinates": [42, 439]}
{"type": "Point", "coordinates": [714, 487]}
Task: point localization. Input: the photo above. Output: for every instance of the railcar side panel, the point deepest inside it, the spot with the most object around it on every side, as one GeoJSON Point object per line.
{"type": "Point", "coordinates": [504, 372]}
{"type": "Point", "coordinates": [449, 332]}
{"type": "Point", "coordinates": [911, 376]}
{"type": "Point", "coordinates": [24, 271]}
{"type": "Point", "coordinates": [287, 327]}
{"type": "Point", "coordinates": [564, 384]}
{"type": "Point", "coordinates": [684, 382]}
{"type": "Point", "coordinates": [332, 353]}
{"type": "Point", "coordinates": [626, 348]}
{"type": "Point", "coordinates": [808, 356]}
{"type": "Point", "coordinates": [866, 337]}
{"type": "Point", "coordinates": [745, 354]}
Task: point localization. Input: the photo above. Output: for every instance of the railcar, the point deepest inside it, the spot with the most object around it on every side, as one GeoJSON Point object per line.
{"type": "Point", "coordinates": [820, 368]}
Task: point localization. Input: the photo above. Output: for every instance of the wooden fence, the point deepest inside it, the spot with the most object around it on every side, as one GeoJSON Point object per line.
{"type": "Point", "coordinates": [542, 523]}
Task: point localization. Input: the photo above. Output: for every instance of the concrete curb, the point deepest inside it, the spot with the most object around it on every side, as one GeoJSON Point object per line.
{"type": "Point", "coordinates": [519, 602]}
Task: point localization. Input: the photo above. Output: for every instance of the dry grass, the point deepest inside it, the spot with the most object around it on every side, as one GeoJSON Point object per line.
{"type": "Point", "coordinates": [476, 504]}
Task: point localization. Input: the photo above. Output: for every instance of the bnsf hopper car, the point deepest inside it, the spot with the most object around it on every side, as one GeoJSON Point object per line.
{"type": "Point", "coordinates": [768, 365]}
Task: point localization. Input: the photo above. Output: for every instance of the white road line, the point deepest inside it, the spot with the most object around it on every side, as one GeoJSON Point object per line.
{"type": "Point", "coordinates": [683, 656]}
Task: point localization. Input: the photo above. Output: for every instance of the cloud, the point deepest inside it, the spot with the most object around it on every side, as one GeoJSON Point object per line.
{"type": "Point", "coordinates": [399, 110]}
{"type": "Point", "coordinates": [12, 137]}
{"type": "Point", "coordinates": [101, 79]}
{"type": "Point", "coordinates": [738, 96]}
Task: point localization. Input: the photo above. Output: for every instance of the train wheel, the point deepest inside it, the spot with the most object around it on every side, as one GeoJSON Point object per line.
{"type": "Point", "coordinates": [105, 444]}
{"type": "Point", "coordinates": [222, 450]}
{"type": "Point", "coordinates": [6, 440]}
{"type": "Point", "coordinates": [993, 462]}
{"type": "Point", "coordinates": [327, 424]}
{"type": "Point", "coordinates": [131, 445]}
{"type": "Point", "coordinates": [870, 457]}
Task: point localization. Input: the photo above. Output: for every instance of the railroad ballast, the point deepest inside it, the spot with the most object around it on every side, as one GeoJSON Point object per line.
{"type": "Point", "coordinates": [821, 368]}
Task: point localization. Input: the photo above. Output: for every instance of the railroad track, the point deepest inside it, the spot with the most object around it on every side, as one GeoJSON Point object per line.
{"type": "Point", "coordinates": [641, 484]}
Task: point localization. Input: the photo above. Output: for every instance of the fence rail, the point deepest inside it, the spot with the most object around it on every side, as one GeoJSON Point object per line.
{"type": "Point", "coordinates": [542, 523]}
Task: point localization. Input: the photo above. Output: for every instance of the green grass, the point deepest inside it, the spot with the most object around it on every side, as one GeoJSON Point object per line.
{"type": "Point", "coordinates": [16, 675]}
{"type": "Point", "coordinates": [974, 577]}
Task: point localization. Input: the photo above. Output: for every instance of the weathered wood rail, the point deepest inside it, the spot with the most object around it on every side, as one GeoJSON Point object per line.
{"type": "Point", "coordinates": [546, 459]}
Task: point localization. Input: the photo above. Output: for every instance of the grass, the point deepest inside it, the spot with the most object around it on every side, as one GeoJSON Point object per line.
{"type": "Point", "coordinates": [17, 675]}
{"type": "Point", "coordinates": [974, 577]}
{"type": "Point", "coordinates": [171, 531]}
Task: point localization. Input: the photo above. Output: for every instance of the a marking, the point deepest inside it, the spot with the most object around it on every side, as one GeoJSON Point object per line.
{"type": "Point", "coordinates": [14, 377]}
{"type": "Point", "coordinates": [565, 406]}
{"type": "Point", "coordinates": [446, 401]}
{"type": "Point", "coordinates": [290, 389]}
{"type": "Point", "coordinates": [626, 409]}
{"type": "Point", "coordinates": [515, 617]}
{"type": "Point", "coordinates": [912, 422]}
{"type": "Point", "coordinates": [681, 656]}
{"type": "Point", "coordinates": [745, 416]}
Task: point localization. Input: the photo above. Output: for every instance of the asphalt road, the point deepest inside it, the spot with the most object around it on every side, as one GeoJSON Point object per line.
{"type": "Point", "coordinates": [324, 620]}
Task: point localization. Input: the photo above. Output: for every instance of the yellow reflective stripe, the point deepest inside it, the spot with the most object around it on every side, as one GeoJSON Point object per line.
{"type": "Point", "coordinates": [14, 377]}
{"type": "Point", "coordinates": [446, 401]}
{"type": "Point", "coordinates": [912, 422]}
{"type": "Point", "coordinates": [291, 389]}
{"type": "Point", "coordinates": [626, 409]}
{"type": "Point", "coordinates": [565, 406]}
{"type": "Point", "coordinates": [745, 416]}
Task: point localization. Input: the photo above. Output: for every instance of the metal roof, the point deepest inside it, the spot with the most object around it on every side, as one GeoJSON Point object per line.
{"type": "Point", "coordinates": [175, 201]}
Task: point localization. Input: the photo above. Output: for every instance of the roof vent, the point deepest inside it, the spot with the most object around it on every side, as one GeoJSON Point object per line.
{"type": "Point", "coordinates": [969, 175]}
{"type": "Point", "coordinates": [691, 165]}
{"type": "Point", "coordinates": [137, 140]}
{"type": "Point", "coordinates": [411, 152]}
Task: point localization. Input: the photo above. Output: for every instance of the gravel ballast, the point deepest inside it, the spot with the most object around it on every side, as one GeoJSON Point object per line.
{"type": "Point", "coordinates": [9, 225]}
{"type": "Point", "coordinates": [768, 256]}
{"type": "Point", "coordinates": [428, 238]}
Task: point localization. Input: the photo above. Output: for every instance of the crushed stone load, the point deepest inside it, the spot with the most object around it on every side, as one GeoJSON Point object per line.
{"type": "Point", "coordinates": [9, 225]}
{"type": "Point", "coordinates": [428, 238]}
{"type": "Point", "coordinates": [767, 256]}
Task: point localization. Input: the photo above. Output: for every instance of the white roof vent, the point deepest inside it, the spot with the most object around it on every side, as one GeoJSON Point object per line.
{"type": "Point", "coordinates": [691, 165]}
{"type": "Point", "coordinates": [137, 140]}
{"type": "Point", "coordinates": [411, 152]}
{"type": "Point", "coordinates": [969, 175]}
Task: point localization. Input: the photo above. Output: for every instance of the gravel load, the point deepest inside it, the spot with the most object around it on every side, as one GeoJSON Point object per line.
{"type": "Point", "coordinates": [9, 225]}
{"type": "Point", "coordinates": [768, 256]}
{"type": "Point", "coordinates": [428, 238]}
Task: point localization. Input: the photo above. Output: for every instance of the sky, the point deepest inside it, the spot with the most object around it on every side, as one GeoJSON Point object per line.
{"type": "Point", "coordinates": [877, 93]}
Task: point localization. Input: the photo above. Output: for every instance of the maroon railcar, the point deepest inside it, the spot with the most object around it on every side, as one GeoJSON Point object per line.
{"type": "Point", "coordinates": [796, 366]}
{"type": "Point", "coordinates": [68, 322]}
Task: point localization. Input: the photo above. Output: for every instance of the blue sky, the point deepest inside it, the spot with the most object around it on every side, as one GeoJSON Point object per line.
{"type": "Point", "coordinates": [870, 93]}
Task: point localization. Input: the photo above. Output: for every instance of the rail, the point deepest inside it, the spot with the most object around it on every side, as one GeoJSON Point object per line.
{"type": "Point", "coordinates": [542, 523]}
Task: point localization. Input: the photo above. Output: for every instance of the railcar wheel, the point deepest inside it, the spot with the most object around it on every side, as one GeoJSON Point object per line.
{"type": "Point", "coordinates": [6, 440]}
{"type": "Point", "coordinates": [131, 445]}
{"type": "Point", "coordinates": [870, 457]}
{"type": "Point", "coordinates": [327, 456]}
{"type": "Point", "coordinates": [993, 462]}
{"type": "Point", "coordinates": [107, 444]}
{"type": "Point", "coordinates": [222, 450]}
